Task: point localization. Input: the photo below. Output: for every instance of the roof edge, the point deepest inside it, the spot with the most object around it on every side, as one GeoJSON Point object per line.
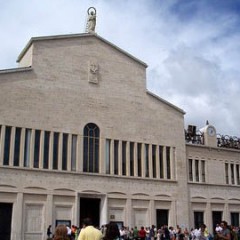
{"type": "Point", "coordinates": [77, 35]}
{"type": "Point", "coordinates": [17, 69]}
{"type": "Point", "coordinates": [166, 102]}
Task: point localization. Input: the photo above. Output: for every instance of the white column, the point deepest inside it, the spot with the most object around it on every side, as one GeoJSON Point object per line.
{"type": "Point", "coordinates": [102, 156]}
{"type": "Point", "coordinates": [120, 158]}
{"type": "Point", "coordinates": [150, 161]}
{"type": "Point", "coordinates": [104, 210]}
{"type": "Point", "coordinates": [135, 159]}
{"type": "Point", "coordinates": [50, 163]}
{"type": "Point", "coordinates": [111, 157]}
{"type": "Point", "coordinates": [229, 173]}
{"type": "Point", "coordinates": [17, 218]}
{"type": "Point", "coordinates": [173, 163]}
{"type": "Point", "coordinates": [22, 145]}
{"type": "Point", "coordinates": [49, 211]}
{"type": "Point", "coordinates": [77, 207]}
{"type": "Point", "coordinates": [79, 155]}
{"type": "Point", "coordinates": [194, 170]}
{"type": "Point", "coordinates": [200, 170]}
{"type": "Point", "coordinates": [143, 160]}
{"type": "Point", "coordinates": [226, 215]}
{"type": "Point", "coordinates": [152, 212]}
{"type": "Point", "coordinates": [2, 138]}
{"type": "Point", "coordinates": [128, 218]}
{"type": "Point", "coordinates": [164, 162]}
{"type": "Point", "coordinates": [31, 159]}
{"type": "Point", "coordinates": [60, 147]}
{"type": "Point", "coordinates": [41, 149]}
{"type": "Point", "coordinates": [157, 163]}
{"type": "Point", "coordinates": [172, 214]}
{"type": "Point", "coordinates": [128, 159]}
{"type": "Point", "coordinates": [69, 153]}
{"type": "Point", "coordinates": [208, 215]}
{"type": "Point", "coordinates": [11, 147]}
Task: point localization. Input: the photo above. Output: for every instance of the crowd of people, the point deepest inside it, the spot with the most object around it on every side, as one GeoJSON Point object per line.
{"type": "Point", "coordinates": [111, 231]}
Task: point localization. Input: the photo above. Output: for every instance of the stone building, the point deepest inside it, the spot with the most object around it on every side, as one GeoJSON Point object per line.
{"type": "Point", "coordinates": [81, 136]}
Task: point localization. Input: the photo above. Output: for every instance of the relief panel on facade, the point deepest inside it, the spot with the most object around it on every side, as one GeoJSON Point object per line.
{"type": "Point", "coordinates": [93, 72]}
{"type": "Point", "coordinates": [116, 214]}
{"type": "Point", "coordinates": [33, 221]}
{"type": "Point", "coordinates": [141, 217]}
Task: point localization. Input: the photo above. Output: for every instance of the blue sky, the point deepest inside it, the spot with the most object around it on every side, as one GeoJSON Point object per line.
{"type": "Point", "coordinates": [192, 47]}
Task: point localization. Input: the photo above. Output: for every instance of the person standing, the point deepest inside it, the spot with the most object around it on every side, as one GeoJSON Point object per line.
{"type": "Point", "coordinates": [225, 234]}
{"type": "Point", "coordinates": [135, 233]}
{"type": "Point", "coordinates": [142, 233]}
{"type": "Point", "coordinates": [49, 232]}
{"type": "Point", "coordinates": [112, 232]}
{"type": "Point", "coordinates": [61, 233]}
{"type": "Point", "coordinates": [152, 233]}
{"type": "Point", "coordinates": [89, 232]}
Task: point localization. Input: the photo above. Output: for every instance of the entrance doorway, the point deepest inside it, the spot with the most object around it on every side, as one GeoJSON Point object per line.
{"type": "Point", "coordinates": [90, 208]}
{"type": "Point", "coordinates": [198, 219]}
{"type": "Point", "coordinates": [216, 218]}
{"type": "Point", "coordinates": [5, 220]}
{"type": "Point", "coordinates": [162, 218]}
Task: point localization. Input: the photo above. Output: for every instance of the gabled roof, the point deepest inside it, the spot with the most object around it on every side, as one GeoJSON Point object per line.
{"type": "Point", "coordinates": [68, 36]}
{"type": "Point", "coordinates": [166, 102]}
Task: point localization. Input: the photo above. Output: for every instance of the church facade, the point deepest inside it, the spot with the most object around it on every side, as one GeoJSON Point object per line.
{"type": "Point", "coordinates": [80, 136]}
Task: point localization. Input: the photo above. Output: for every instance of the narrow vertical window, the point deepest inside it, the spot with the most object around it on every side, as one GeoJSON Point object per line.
{"type": "Point", "coordinates": [161, 161]}
{"type": "Point", "coordinates": [139, 156]}
{"type": "Point", "coordinates": [124, 157]}
{"type": "Point", "coordinates": [197, 170]}
{"type": "Point", "coordinates": [55, 150]}
{"type": "Point", "coordinates": [7, 144]}
{"type": "Point", "coordinates": [27, 146]}
{"type": "Point", "coordinates": [203, 171]}
{"type": "Point", "coordinates": [154, 161]}
{"type": "Point", "coordinates": [237, 172]}
{"type": "Point", "coordinates": [17, 145]}
{"type": "Point", "coordinates": [232, 173]}
{"type": "Point", "coordinates": [108, 156]}
{"type": "Point", "coordinates": [131, 158]}
{"type": "Point", "coordinates": [91, 148]}
{"type": "Point", "coordinates": [74, 152]}
{"type": "Point", "coordinates": [190, 169]}
{"type": "Point", "coordinates": [116, 145]}
{"type": "Point", "coordinates": [64, 151]}
{"type": "Point", "coordinates": [46, 150]}
{"type": "Point", "coordinates": [147, 160]}
{"type": "Point", "coordinates": [226, 173]}
{"type": "Point", "coordinates": [36, 148]}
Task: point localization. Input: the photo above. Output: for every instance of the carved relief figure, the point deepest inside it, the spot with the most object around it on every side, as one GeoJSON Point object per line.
{"type": "Point", "coordinates": [93, 72]}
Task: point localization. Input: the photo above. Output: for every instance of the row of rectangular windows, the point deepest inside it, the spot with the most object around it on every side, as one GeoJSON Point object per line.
{"type": "Point", "coordinates": [232, 174]}
{"type": "Point", "coordinates": [142, 160]}
{"type": "Point", "coordinates": [197, 172]}
{"type": "Point", "coordinates": [25, 147]}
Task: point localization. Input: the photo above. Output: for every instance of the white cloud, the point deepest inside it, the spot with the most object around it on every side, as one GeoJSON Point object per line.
{"type": "Point", "coordinates": [192, 47]}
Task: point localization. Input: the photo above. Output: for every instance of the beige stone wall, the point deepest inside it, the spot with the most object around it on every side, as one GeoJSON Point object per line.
{"type": "Point", "coordinates": [215, 194]}
{"type": "Point", "coordinates": [58, 95]}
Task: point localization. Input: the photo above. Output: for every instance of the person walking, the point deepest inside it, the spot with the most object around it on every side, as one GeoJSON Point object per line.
{"type": "Point", "coordinates": [112, 232]}
{"type": "Point", "coordinates": [89, 232]}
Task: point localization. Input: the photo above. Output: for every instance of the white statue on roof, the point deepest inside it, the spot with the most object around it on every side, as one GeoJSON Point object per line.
{"type": "Point", "coordinates": [91, 22]}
